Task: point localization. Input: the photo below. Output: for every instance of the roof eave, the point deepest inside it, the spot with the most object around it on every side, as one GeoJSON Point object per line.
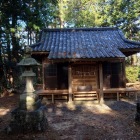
{"type": "Point", "coordinates": [40, 52]}
{"type": "Point", "coordinates": [126, 40]}
{"type": "Point", "coordinates": [130, 51]}
{"type": "Point", "coordinates": [89, 59]}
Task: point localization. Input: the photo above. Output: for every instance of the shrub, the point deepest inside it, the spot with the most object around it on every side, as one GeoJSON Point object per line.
{"type": "Point", "coordinates": [132, 73]}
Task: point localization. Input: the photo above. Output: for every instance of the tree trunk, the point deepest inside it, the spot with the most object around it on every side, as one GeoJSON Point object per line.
{"type": "Point", "coordinates": [14, 40]}
{"type": "Point", "coordinates": [8, 49]}
{"type": "Point", "coordinates": [134, 60]}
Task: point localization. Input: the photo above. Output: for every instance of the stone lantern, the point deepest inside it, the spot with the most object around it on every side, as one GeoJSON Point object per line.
{"type": "Point", "coordinates": [28, 98]}
{"type": "Point", "coordinates": [30, 115]}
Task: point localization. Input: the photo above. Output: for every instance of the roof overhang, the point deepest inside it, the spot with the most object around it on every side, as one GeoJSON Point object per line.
{"type": "Point", "coordinates": [119, 59]}
{"type": "Point", "coordinates": [39, 53]}
{"type": "Point", "coordinates": [128, 52]}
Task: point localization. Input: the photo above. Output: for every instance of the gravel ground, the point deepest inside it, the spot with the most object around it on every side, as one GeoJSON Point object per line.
{"type": "Point", "coordinates": [91, 121]}
{"type": "Point", "coordinates": [113, 120]}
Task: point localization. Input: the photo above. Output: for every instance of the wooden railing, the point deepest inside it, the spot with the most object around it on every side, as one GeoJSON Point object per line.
{"type": "Point", "coordinates": [119, 91]}
{"type": "Point", "coordinates": [53, 93]}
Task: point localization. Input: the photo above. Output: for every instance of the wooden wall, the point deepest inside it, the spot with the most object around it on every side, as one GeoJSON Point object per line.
{"type": "Point", "coordinates": [84, 75]}
{"type": "Point", "coordinates": [113, 75]}
{"type": "Point", "coordinates": [56, 76]}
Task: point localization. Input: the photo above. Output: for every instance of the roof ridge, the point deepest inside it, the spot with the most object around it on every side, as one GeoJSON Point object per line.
{"type": "Point", "coordinates": [127, 40]}
{"type": "Point", "coordinates": [79, 29]}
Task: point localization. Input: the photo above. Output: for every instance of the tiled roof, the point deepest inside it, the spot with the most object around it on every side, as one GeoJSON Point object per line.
{"type": "Point", "coordinates": [83, 43]}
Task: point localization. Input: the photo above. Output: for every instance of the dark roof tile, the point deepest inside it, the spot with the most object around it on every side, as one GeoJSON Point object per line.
{"type": "Point", "coordinates": [83, 43]}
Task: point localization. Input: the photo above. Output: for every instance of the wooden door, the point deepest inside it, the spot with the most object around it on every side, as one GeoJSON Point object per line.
{"type": "Point", "coordinates": [50, 76]}
{"type": "Point", "coordinates": [56, 76]}
{"type": "Point", "coordinates": [113, 75]}
{"type": "Point", "coordinates": [62, 76]}
{"type": "Point", "coordinates": [84, 75]}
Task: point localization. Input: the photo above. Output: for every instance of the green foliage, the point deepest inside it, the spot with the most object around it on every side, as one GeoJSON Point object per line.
{"type": "Point", "coordinates": [80, 13]}
{"type": "Point", "coordinates": [132, 73]}
{"type": "Point", "coordinates": [97, 13]}
{"type": "Point", "coordinates": [12, 30]}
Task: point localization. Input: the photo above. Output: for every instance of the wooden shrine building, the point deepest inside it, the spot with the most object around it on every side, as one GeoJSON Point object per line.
{"type": "Point", "coordinates": [83, 61]}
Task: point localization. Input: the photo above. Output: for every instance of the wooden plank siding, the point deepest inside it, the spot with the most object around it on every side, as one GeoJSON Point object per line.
{"type": "Point", "coordinates": [85, 82]}
{"type": "Point", "coordinates": [83, 75]}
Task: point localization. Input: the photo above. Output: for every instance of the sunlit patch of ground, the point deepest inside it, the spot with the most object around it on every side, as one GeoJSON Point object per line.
{"type": "Point", "coordinates": [88, 120]}
{"type": "Point", "coordinates": [85, 120]}
{"type": "Point", "coordinates": [3, 111]}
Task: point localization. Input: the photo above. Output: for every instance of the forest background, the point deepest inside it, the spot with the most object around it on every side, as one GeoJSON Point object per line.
{"type": "Point", "coordinates": [22, 20]}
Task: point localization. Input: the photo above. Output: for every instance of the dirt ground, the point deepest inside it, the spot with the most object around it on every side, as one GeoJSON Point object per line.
{"type": "Point", "coordinates": [80, 120]}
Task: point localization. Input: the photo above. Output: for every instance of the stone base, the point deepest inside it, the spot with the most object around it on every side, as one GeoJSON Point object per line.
{"type": "Point", "coordinates": [24, 121]}
{"type": "Point", "coordinates": [28, 101]}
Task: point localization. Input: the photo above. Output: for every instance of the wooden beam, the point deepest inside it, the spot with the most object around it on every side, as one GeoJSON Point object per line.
{"type": "Point", "coordinates": [131, 50]}
{"type": "Point", "coordinates": [70, 82]}
{"type": "Point", "coordinates": [86, 60]}
{"type": "Point", "coordinates": [101, 96]}
{"type": "Point", "coordinates": [40, 53]}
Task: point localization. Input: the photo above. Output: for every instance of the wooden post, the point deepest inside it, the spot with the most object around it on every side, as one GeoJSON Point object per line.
{"type": "Point", "coordinates": [43, 75]}
{"type": "Point", "coordinates": [70, 83]}
{"type": "Point", "coordinates": [118, 96]}
{"type": "Point", "coordinates": [53, 98]}
{"type": "Point", "coordinates": [136, 95]}
{"type": "Point", "coordinates": [101, 83]}
{"type": "Point", "coordinates": [124, 73]}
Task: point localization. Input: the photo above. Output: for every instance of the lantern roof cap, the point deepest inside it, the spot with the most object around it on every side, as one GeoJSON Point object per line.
{"type": "Point", "coordinates": [28, 60]}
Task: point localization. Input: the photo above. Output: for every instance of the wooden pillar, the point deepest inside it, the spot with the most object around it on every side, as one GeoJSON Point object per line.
{"type": "Point", "coordinates": [124, 73]}
{"type": "Point", "coordinates": [43, 75]}
{"type": "Point", "coordinates": [70, 83]}
{"type": "Point", "coordinates": [118, 96]}
{"type": "Point", "coordinates": [136, 95]}
{"type": "Point", "coordinates": [101, 83]}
